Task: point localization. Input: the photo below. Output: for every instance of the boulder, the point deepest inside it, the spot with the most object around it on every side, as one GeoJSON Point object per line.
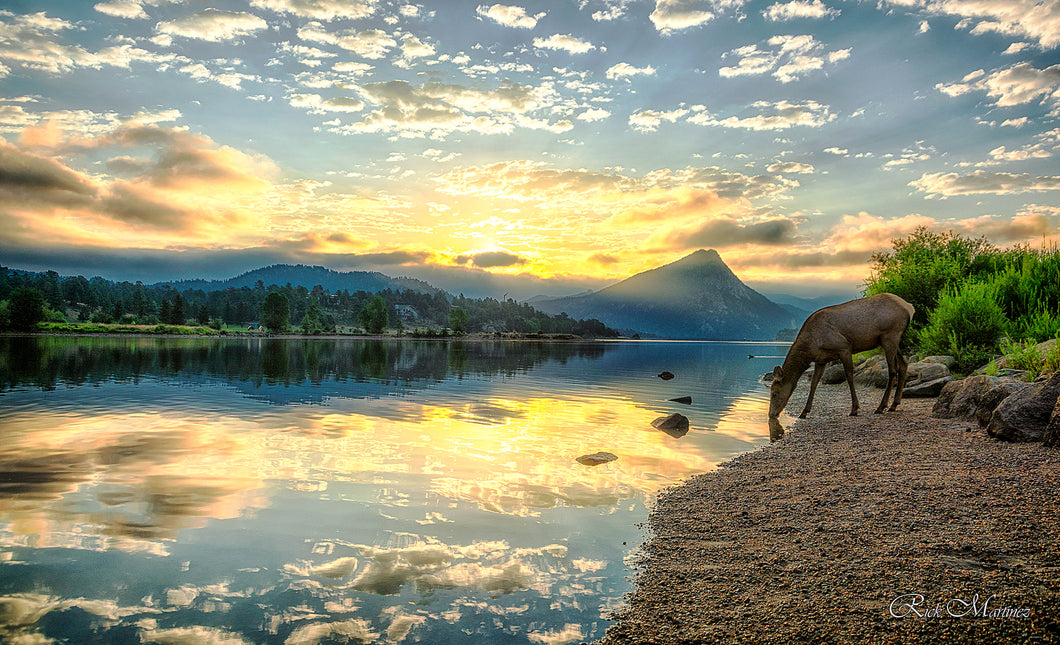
{"type": "Point", "coordinates": [675, 425]}
{"type": "Point", "coordinates": [923, 372]}
{"type": "Point", "coordinates": [872, 372]}
{"type": "Point", "coordinates": [1052, 431]}
{"type": "Point", "coordinates": [834, 373]}
{"type": "Point", "coordinates": [949, 361]}
{"type": "Point", "coordinates": [596, 458]}
{"type": "Point", "coordinates": [975, 397]}
{"type": "Point", "coordinates": [928, 389]}
{"type": "Point", "coordinates": [1025, 415]}
{"type": "Point", "coordinates": [994, 397]}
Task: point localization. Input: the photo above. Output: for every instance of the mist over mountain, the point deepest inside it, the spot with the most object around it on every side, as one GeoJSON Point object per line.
{"type": "Point", "coordinates": [309, 277]}
{"type": "Point", "coordinates": [696, 297]}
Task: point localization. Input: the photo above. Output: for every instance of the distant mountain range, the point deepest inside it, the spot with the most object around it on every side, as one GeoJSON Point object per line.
{"type": "Point", "coordinates": [696, 297]}
{"type": "Point", "coordinates": [309, 277]}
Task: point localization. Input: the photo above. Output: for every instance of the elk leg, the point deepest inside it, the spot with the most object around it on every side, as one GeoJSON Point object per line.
{"type": "Point", "coordinates": [903, 370]}
{"type": "Point", "coordinates": [818, 372]}
{"type": "Point", "coordinates": [848, 366]}
{"type": "Point", "coordinates": [892, 375]}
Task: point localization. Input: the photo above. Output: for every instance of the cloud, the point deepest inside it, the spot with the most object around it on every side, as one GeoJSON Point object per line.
{"type": "Point", "coordinates": [951, 184]}
{"type": "Point", "coordinates": [564, 42]}
{"type": "Point", "coordinates": [773, 116]}
{"type": "Point", "coordinates": [213, 25]}
{"type": "Point", "coordinates": [316, 104]}
{"type": "Point", "coordinates": [1031, 19]}
{"type": "Point", "coordinates": [625, 70]}
{"type": "Point", "coordinates": [593, 114]}
{"type": "Point", "coordinates": [1016, 85]}
{"type": "Point", "coordinates": [31, 42]}
{"type": "Point", "coordinates": [671, 15]}
{"type": "Point", "coordinates": [509, 16]}
{"type": "Point", "coordinates": [372, 44]}
{"type": "Point", "coordinates": [787, 57]}
{"type": "Point", "coordinates": [791, 167]}
{"type": "Point", "coordinates": [812, 9]}
{"type": "Point", "coordinates": [320, 9]}
{"type": "Point", "coordinates": [650, 120]}
{"type": "Point", "coordinates": [725, 232]}
{"type": "Point", "coordinates": [24, 177]}
{"type": "Point", "coordinates": [131, 9]}
{"type": "Point", "coordinates": [412, 47]}
{"type": "Point", "coordinates": [441, 108]}
{"type": "Point", "coordinates": [491, 259]}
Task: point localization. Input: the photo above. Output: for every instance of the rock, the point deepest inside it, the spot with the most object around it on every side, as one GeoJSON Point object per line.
{"type": "Point", "coordinates": [975, 397]}
{"type": "Point", "coordinates": [925, 390]}
{"type": "Point", "coordinates": [687, 400]}
{"type": "Point", "coordinates": [1052, 431]}
{"type": "Point", "coordinates": [596, 458]}
{"type": "Point", "coordinates": [1025, 415]}
{"type": "Point", "coordinates": [994, 397]}
{"type": "Point", "coordinates": [949, 361]}
{"type": "Point", "coordinates": [675, 425]}
{"type": "Point", "coordinates": [666, 376]}
{"type": "Point", "coordinates": [923, 372]}
{"type": "Point", "coordinates": [872, 372]}
{"type": "Point", "coordinates": [834, 374]}
{"type": "Point", "coordinates": [767, 377]}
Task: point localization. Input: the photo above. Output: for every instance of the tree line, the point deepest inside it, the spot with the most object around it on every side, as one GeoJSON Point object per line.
{"type": "Point", "coordinates": [27, 298]}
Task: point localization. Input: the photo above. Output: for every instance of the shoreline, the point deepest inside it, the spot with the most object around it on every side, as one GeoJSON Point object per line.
{"type": "Point", "coordinates": [813, 538]}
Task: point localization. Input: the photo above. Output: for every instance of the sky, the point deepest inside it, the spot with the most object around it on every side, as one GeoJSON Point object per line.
{"type": "Point", "coordinates": [523, 148]}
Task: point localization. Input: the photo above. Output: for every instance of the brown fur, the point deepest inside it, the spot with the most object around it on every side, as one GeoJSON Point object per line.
{"type": "Point", "coordinates": [837, 333]}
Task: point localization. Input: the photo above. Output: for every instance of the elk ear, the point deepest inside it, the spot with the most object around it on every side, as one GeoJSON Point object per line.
{"type": "Point", "coordinates": [778, 373]}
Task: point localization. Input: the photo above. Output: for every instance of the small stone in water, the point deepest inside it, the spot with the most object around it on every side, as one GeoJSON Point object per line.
{"type": "Point", "coordinates": [596, 458]}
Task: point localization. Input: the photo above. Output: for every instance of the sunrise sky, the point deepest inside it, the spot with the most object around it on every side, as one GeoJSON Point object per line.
{"type": "Point", "coordinates": [527, 147]}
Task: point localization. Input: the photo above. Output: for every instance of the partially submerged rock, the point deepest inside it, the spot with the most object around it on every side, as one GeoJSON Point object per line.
{"type": "Point", "coordinates": [687, 400]}
{"type": "Point", "coordinates": [675, 425]}
{"type": "Point", "coordinates": [666, 376]}
{"type": "Point", "coordinates": [596, 458]}
{"type": "Point", "coordinates": [1025, 415]}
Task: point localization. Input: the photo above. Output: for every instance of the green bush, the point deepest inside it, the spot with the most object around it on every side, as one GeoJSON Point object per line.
{"type": "Point", "coordinates": [967, 325]}
{"type": "Point", "coordinates": [1024, 356]}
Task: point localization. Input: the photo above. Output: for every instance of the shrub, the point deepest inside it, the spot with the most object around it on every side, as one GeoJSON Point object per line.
{"type": "Point", "coordinates": [967, 325]}
{"type": "Point", "coordinates": [1024, 356]}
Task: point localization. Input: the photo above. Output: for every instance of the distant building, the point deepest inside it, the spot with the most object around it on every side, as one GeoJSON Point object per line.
{"type": "Point", "coordinates": [406, 312]}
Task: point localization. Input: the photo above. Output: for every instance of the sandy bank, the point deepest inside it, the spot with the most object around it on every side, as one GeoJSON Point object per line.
{"type": "Point", "coordinates": [812, 539]}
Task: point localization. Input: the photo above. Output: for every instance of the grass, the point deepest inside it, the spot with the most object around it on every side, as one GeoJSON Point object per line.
{"type": "Point", "coordinates": [102, 328]}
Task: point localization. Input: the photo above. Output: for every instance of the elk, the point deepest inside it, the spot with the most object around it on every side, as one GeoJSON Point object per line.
{"type": "Point", "coordinates": [839, 332]}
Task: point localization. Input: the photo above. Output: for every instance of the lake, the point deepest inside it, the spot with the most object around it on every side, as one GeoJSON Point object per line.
{"type": "Point", "coordinates": [244, 490]}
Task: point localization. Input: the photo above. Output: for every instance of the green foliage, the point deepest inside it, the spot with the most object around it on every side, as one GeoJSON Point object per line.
{"type": "Point", "coordinates": [458, 320]}
{"type": "Point", "coordinates": [311, 323]}
{"type": "Point", "coordinates": [1052, 358]}
{"type": "Point", "coordinates": [373, 316]}
{"type": "Point", "coordinates": [276, 312]}
{"type": "Point", "coordinates": [920, 268]}
{"type": "Point", "coordinates": [967, 325]}
{"type": "Point", "coordinates": [25, 308]}
{"type": "Point", "coordinates": [991, 368]}
{"type": "Point", "coordinates": [1024, 356]}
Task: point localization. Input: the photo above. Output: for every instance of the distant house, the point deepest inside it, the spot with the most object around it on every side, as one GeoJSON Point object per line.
{"type": "Point", "coordinates": [406, 312]}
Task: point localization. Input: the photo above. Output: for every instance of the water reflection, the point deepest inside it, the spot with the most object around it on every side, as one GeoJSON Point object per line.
{"type": "Point", "coordinates": [776, 431]}
{"type": "Point", "coordinates": [387, 491]}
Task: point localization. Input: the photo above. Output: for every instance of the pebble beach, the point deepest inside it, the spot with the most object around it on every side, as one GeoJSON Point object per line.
{"type": "Point", "coordinates": [881, 528]}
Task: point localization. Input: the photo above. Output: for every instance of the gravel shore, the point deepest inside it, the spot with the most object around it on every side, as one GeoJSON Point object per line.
{"type": "Point", "coordinates": [812, 539]}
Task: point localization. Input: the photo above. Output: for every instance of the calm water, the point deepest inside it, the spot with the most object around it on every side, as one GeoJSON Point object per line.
{"type": "Point", "coordinates": [320, 491]}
